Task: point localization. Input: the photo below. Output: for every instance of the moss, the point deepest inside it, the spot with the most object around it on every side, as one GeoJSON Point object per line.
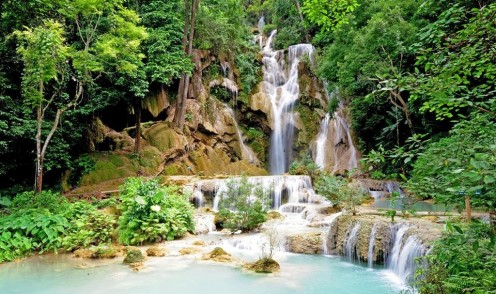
{"type": "Point", "coordinates": [264, 265]}
{"type": "Point", "coordinates": [311, 123]}
{"type": "Point", "coordinates": [150, 157]}
{"type": "Point", "coordinates": [109, 167]}
{"type": "Point", "coordinates": [133, 256]}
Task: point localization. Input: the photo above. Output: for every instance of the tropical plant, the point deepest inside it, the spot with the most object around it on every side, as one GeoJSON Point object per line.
{"type": "Point", "coordinates": [151, 213]}
{"type": "Point", "coordinates": [243, 206]}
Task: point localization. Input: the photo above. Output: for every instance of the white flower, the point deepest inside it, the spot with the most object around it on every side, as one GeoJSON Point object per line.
{"type": "Point", "coordinates": [155, 208]}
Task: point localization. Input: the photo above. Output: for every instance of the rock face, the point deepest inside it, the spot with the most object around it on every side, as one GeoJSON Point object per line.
{"type": "Point", "coordinates": [308, 243]}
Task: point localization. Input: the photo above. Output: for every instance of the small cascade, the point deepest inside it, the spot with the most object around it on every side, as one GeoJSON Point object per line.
{"type": "Point", "coordinates": [329, 242]}
{"type": "Point", "coordinates": [350, 243]}
{"type": "Point", "coordinates": [343, 144]}
{"type": "Point", "coordinates": [281, 81]}
{"type": "Point", "coordinates": [370, 256]}
{"type": "Point", "coordinates": [320, 144]}
{"type": "Point", "coordinates": [246, 152]}
{"type": "Point", "coordinates": [402, 260]}
{"type": "Point", "coordinates": [333, 149]}
{"type": "Point", "coordinates": [261, 24]}
{"type": "Point", "coordinates": [288, 189]}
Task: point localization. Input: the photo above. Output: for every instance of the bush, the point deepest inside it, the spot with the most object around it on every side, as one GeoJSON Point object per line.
{"type": "Point", "coordinates": [53, 202]}
{"type": "Point", "coordinates": [339, 191]}
{"type": "Point", "coordinates": [305, 166]}
{"type": "Point", "coordinates": [243, 207]}
{"type": "Point", "coordinates": [88, 227]}
{"type": "Point", "coordinates": [151, 213]}
{"type": "Point", "coordinates": [462, 261]}
{"type": "Point", "coordinates": [30, 230]}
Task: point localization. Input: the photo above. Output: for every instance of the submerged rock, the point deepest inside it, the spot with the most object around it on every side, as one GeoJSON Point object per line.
{"type": "Point", "coordinates": [133, 256]}
{"type": "Point", "coordinates": [97, 252]}
{"type": "Point", "coordinates": [189, 250]}
{"type": "Point", "coordinates": [199, 243]}
{"type": "Point", "coordinates": [263, 265]}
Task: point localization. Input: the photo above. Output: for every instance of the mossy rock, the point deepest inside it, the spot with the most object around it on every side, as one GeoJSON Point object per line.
{"type": "Point", "coordinates": [199, 243]}
{"type": "Point", "coordinates": [264, 265]}
{"type": "Point", "coordinates": [218, 254]}
{"type": "Point", "coordinates": [156, 251]}
{"type": "Point", "coordinates": [100, 252]}
{"type": "Point", "coordinates": [164, 138]}
{"type": "Point", "coordinates": [134, 256]}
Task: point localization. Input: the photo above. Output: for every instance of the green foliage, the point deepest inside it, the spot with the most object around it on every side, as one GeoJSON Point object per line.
{"type": "Point", "coordinates": [88, 226]}
{"type": "Point", "coordinates": [462, 261]}
{"type": "Point", "coordinates": [30, 230]}
{"type": "Point", "coordinates": [151, 213]}
{"type": "Point", "coordinates": [53, 202]}
{"type": "Point", "coordinates": [243, 206]}
{"type": "Point", "coordinates": [249, 71]}
{"type": "Point", "coordinates": [305, 166]}
{"type": "Point", "coordinates": [329, 14]}
{"type": "Point", "coordinates": [339, 191]}
{"type": "Point", "coordinates": [463, 162]}
{"type": "Point", "coordinates": [456, 69]}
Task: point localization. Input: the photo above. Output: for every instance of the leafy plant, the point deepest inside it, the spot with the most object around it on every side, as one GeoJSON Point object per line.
{"type": "Point", "coordinates": [88, 227]}
{"type": "Point", "coordinates": [243, 206]}
{"type": "Point", "coordinates": [30, 230]}
{"type": "Point", "coordinates": [305, 166]}
{"type": "Point", "coordinates": [151, 213]}
{"type": "Point", "coordinates": [339, 191]}
{"type": "Point", "coordinates": [53, 202]}
{"type": "Point", "coordinates": [462, 261]}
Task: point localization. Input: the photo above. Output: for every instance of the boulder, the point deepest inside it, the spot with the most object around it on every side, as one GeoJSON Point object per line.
{"type": "Point", "coordinates": [134, 255]}
{"type": "Point", "coordinates": [307, 243]}
{"type": "Point", "coordinates": [156, 251]}
{"type": "Point", "coordinates": [219, 255]}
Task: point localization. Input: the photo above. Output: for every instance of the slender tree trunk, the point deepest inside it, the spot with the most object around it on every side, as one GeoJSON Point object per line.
{"type": "Point", "coordinates": [468, 208]}
{"type": "Point", "coordinates": [178, 114]}
{"type": "Point", "coordinates": [137, 112]}
{"type": "Point", "coordinates": [188, 38]}
{"type": "Point", "coordinates": [39, 158]}
{"type": "Point", "coordinates": [298, 7]}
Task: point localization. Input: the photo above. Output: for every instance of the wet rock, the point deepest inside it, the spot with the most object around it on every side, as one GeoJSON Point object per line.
{"type": "Point", "coordinates": [137, 266]}
{"type": "Point", "coordinates": [199, 243]}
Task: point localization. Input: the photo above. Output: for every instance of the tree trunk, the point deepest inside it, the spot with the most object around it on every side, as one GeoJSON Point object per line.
{"type": "Point", "coordinates": [137, 112]}
{"type": "Point", "coordinates": [298, 7]}
{"type": "Point", "coordinates": [189, 33]}
{"type": "Point", "coordinates": [468, 208]}
{"type": "Point", "coordinates": [39, 159]}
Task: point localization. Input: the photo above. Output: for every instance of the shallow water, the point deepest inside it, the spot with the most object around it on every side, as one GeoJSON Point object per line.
{"type": "Point", "coordinates": [300, 274]}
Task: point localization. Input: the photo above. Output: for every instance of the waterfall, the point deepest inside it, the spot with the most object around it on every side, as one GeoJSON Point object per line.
{"type": "Point", "coordinates": [246, 152]}
{"type": "Point", "coordinates": [292, 189]}
{"type": "Point", "coordinates": [282, 87]}
{"type": "Point", "coordinates": [370, 255]}
{"type": "Point", "coordinates": [329, 242]}
{"type": "Point", "coordinates": [320, 157]}
{"type": "Point", "coordinates": [342, 134]}
{"type": "Point", "coordinates": [333, 147]}
{"type": "Point", "coordinates": [350, 243]}
{"type": "Point", "coordinates": [261, 24]}
{"type": "Point", "coordinates": [402, 260]}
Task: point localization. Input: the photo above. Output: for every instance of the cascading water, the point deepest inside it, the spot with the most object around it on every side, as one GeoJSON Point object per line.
{"type": "Point", "coordinates": [333, 148]}
{"type": "Point", "coordinates": [350, 243]}
{"type": "Point", "coordinates": [402, 260]}
{"type": "Point", "coordinates": [295, 189]}
{"type": "Point", "coordinates": [283, 91]}
{"type": "Point", "coordinates": [246, 152]}
{"type": "Point", "coordinates": [329, 242]}
{"type": "Point", "coordinates": [370, 255]}
{"type": "Point", "coordinates": [320, 157]}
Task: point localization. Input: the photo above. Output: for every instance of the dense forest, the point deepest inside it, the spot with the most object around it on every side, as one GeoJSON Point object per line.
{"type": "Point", "coordinates": [418, 77]}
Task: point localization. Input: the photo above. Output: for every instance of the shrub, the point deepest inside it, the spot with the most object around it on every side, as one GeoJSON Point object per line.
{"type": "Point", "coordinates": [242, 206]}
{"type": "Point", "coordinates": [462, 261]}
{"type": "Point", "coordinates": [339, 191]}
{"type": "Point", "coordinates": [30, 230]}
{"type": "Point", "coordinates": [305, 166]}
{"type": "Point", "coordinates": [151, 213]}
{"type": "Point", "coordinates": [88, 227]}
{"type": "Point", "coordinates": [53, 202]}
